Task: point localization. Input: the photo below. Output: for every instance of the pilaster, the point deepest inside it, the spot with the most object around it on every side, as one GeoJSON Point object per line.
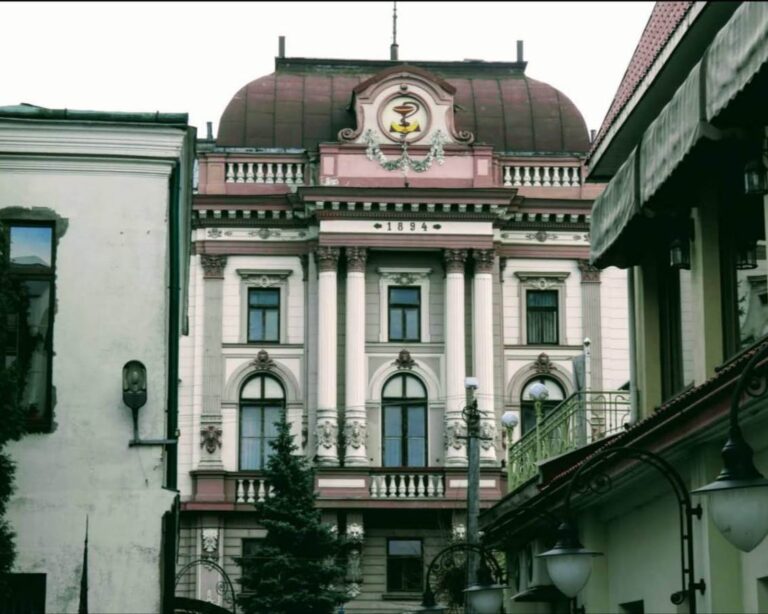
{"type": "Point", "coordinates": [327, 414]}
{"type": "Point", "coordinates": [482, 336]}
{"type": "Point", "coordinates": [455, 369]}
{"type": "Point", "coordinates": [592, 316]}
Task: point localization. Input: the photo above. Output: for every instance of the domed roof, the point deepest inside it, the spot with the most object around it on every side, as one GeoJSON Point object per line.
{"type": "Point", "coordinates": [307, 101]}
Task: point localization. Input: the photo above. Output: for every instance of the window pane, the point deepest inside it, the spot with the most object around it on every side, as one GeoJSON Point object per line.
{"type": "Point", "coordinates": [252, 390]}
{"type": "Point", "coordinates": [35, 342]}
{"type": "Point", "coordinates": [411, 324]}
{"type": "Point", "coordinates": [31, 245]}
{"type": "Point", "coordinates": [250, 453]}
{"type": "Point", "coordinates": [542, 298]}
{"type": "Point", "coordinates": [271, 332]}
{"type": "Point", "coordinates": [256, 325]}
{"type": "Point", "coordinates": [395, 323]}
{"type": "Point", "coordinates": [272, 389]}
{"type": "Point", "coordinates": [417, 452]}
{"type": "Point", "coordinates": [250, 422]}
{"type": "Point", "coordinates": [416, 422]}
{"type": "Point", "coordinates": [414, 388]}
{"type": "Point", "coordinates": [265, 298]}
{"type": "Point", "coordinates": [271, 417]}
{"type": "Point", "coordinates": [393, 388]}
{"type": "Point", "coordinates": [393, 421]}
{"type": "Point", "coordinates": [393, 452]}
{"type": "Point", "coordinates": [404, 547]}
{"type": "Point", "coordinates": [404, 296]}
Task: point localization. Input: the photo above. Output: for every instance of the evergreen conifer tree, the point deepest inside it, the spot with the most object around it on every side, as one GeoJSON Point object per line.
{"type": "Point", "coordinates": [13, 302]}
{"type": "Point", "coordinates": [295, 569]}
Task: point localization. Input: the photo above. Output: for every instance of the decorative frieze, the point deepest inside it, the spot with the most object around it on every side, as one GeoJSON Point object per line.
{"type": "Point", "coordinates": [356, 258]}
{"type": "Point", "coordinates": [327, 258]}
{"type": "Point", "coordinates": [484, 260]}
{"type": "Point", "coordinates": [264, 278]}
{"type": "Point", "coordinates": [455, 260]}
{"type": "Point", "coordinates": [213, 266]}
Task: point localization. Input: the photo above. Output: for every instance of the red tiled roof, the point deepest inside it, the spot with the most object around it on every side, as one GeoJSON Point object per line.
{"type": "Point", "coordinates": [664, 19]}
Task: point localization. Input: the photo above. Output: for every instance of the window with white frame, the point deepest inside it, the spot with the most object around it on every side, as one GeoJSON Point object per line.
{"type": "Point", "coordinates": [404, 304]}
{"type": "Point", "coordinates": [262, 404]}
{"type": "Point", "coordinates": [542, 308]}
{"type": "Point", "coordinates": [264, 305]}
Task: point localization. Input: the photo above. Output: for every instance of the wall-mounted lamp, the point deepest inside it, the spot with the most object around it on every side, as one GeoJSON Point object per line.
{"type": "Point", "coordinates": [680, 253]}
{"type": "Point", "coordinates": [755, 180]}
{"type": "Point", "coordinates": [746, 255]}
{"type": "Point", "coordinates": [135, 397]}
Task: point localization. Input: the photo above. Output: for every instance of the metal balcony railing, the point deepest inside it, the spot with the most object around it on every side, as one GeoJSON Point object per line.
{"type": "Point", "coordinates": [582, 418]}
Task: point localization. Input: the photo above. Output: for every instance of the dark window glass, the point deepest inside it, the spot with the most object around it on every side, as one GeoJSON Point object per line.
{"type": "Point", "coordinates": [264, 315]}
{"type": "Point", "coordinates": [250, 546]}
{"type": "Point", "coordinates": [541, 306]}
{"type": "Point", "coordinates": [528, 407]}
{"type": "Point", "coordinates": [404, 405]}
{"type": "Point", "coordinates": [262, 402]}
{"type": "Point", "coordinates": [404, 565]}
{"type": "Point", "coordinates": [404, 314]}
{"type": "Point", "coordinates": [31, 262]}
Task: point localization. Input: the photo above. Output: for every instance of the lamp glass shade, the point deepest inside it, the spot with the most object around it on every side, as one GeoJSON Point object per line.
{"type": "Point", "coordinates": [755, 180]}
{"type": "Point", "coordinates": [485, 599]}
{"type": "Point", "coordinates": [746, 257]}
{"type": "Point", "coordinates": [569, 572]}
{"type": "Point", "coordinates": [740, 514]}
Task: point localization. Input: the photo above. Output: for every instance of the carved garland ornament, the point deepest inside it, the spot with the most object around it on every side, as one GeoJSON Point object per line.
{"type": "Point", "coordinates": [355, 434]}
{"type": "Point", "coordinates": [326, 434]}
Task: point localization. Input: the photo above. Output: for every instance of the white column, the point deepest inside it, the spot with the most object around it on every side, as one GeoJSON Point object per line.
{"type": "Point", "coordinates": [327, 417]}
{"type": "Point", "coordinates": [482, 337]}
{"type": "Point", "coordinates": [455, 364]}
{"type": "Point", "coordinates": [355, 430]}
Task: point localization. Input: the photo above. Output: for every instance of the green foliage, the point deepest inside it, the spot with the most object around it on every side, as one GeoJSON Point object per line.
{"type": "Point", "coordinates": [295, 569]}
{"type": "Point", "coordinates": [13, 301]}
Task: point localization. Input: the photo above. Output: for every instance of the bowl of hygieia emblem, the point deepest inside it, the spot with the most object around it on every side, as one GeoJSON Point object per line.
{"type": "Point", "coordinates": [406, 110]}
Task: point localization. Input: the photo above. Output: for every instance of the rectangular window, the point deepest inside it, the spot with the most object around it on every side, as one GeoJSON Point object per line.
{"type": "Point", "coordinates": [250, 545]}
{"type": "Point", "coordinates": [405, 435]}
{"type": "Point", "coordinates": [404, 565]}
{"type": "Point", "coordinates": [31, 270]}
{"type": "Point", "coordinates": [541, 317]}
{"type": "Point", "coordinates": [264, 315]}
{"type": "Point", "coordinates": [26, 594]}
{"type": "Point", "coordinates": [404, 313]}
{"type": "Point", "coordinates": [257, 430]}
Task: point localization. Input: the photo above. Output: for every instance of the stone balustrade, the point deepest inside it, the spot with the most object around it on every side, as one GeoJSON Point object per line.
{"type": "Point", "coordinates": [289, 173]}
{"type": "Point", "coordinates": [252, 490]}
{"type": "Point", "coordinates": [405, 485]}
{"type": "Point", "coordinates": [545, 176]}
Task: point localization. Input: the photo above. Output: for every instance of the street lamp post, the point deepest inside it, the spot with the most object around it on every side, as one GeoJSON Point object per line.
{"type": "Point", "coordinates": [738, 497]}
{"type": "Point", "coordinates": [570, 564]}
{"type": "Point", "coordinates": [472, 417]}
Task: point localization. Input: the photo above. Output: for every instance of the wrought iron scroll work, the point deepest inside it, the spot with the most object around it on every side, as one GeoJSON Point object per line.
{"type": "Point", "coordinates": [454, 558]}
{"type": "Point", "coordinates": [686, 510]}
{"type": "Point", "coordinates": [752, 384]}
{"type": "Point", "coordinates": [224, 587]}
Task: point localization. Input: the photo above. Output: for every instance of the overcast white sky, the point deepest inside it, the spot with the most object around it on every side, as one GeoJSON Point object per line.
{"type": "Point", "coordinates": [192, 57]}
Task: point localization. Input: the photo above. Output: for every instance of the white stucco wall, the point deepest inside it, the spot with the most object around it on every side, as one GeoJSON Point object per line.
{"type": "Point", "coordinates": [614, 327]}
{"type": "Point", "coordinates": [111, 307]}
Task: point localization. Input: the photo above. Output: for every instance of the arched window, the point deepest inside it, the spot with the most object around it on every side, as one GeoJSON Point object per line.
{"type": "Point", "coordinates": [527, 407]}
{"type": "Point", "coordinates": [404, 405]}
{"type": "Point", "coordinates": [262, 402]}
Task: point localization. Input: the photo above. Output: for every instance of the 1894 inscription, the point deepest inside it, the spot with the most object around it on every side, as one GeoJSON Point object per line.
{"type": "Point", "coordinates": [406, 226]}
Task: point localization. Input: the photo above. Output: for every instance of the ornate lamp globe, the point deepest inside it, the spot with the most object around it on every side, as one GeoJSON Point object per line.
{"type": "Point", "coordinates": [569, 564]}
{"type": "Point", "coordinates": [539, 392]}
{"type": "Point", "coordinates": [485, 597]}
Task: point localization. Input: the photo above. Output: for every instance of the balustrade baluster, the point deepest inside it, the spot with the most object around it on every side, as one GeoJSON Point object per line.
{"type": "Point", "coordinates": [299, 174]}
{"type": "Point", "coordinates": [507, 177]}
{"type": "Point", "coordinates": [259, 172]}
{"type": "Point", "coordinates": [240, 173]}
{"type": "Point", "coordinates": [239, 496]}
{"type": "Point", "coordinates": [546, 182]}
{"type": "Point", "coordinates": [536, 176]}
{"type": "Point", "coordinates": [420, 479]}
{"type": "Point", "coordinates": [270, 173]}
{"type": "Point", "coordinates": [401, 491]}
{"type": "Point", "coordinates": [411, 486]}
{"type": "Point", "coordinates": [440, 489]}
{"type": "Point", "coordinates": [431, 485]}
{"type": "Point", "coordinates": [556, 176]}
{"type": "Point", "coordinates": [249, 494]}
{"type": "Point", "coordinates": [526, 176]}
{"type": "Point", "coordinates": [262, 491]}
{"type": "Point", "coordinates": [289, 173]}
{"type": "Point", "coordinates": [279, 173]}
{"type": "Point", "coordinates": [230, 172]}
{"type": "Point", "coordinates": [249, 173]}
{"type": "Point", "coordinates": [516, 179]}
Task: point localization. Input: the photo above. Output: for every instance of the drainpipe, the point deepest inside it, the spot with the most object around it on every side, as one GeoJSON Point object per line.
{"type": "Point", "coordinates": [633, 409]}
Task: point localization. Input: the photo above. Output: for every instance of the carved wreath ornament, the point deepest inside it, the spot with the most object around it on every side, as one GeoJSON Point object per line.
{"type": "Point", "coordinates": [404, 161]}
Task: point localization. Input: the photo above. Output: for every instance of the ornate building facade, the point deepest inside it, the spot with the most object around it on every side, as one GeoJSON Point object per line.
{"type": "Point", "coordinates": [366, 235]}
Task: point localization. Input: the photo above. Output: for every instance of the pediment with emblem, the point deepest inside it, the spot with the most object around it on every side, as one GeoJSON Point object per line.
{"type": "Point", "coordinates": [405, 104]}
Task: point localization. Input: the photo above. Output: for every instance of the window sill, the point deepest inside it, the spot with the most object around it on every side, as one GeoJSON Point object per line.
{"type": "Point", "coordinates": [401, 596]}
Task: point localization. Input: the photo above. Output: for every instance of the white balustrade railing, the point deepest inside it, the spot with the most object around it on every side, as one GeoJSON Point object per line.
{"type": "Point", "coordinates": [407, 485]}
{"type": "Point", "coordinates": [542, 176]}
{"type": "Point", "coordinates": [252, 490]}
{"type": "Point", "coordinates": [290, 173]}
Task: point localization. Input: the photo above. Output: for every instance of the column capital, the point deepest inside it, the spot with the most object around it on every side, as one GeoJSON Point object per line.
{"type": "Point", "coordinates": [589, 273]}
{"type": "Point", "coordinates": [327, 258]}
{"type": "Point", "coordinates": [455, 260]}
{"type": "Point", "coordinates": [213, 266]}
{"type": "Point", "coordinates": [356, 258]}
{"type": "Point", "coordinates": [484, 259]}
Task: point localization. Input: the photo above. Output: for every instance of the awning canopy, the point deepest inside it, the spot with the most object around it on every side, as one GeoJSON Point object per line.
{"type": "Point", "coordinates": [737, 53]}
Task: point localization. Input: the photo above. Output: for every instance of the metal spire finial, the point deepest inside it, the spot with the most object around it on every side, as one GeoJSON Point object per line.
{"type": "Point", "coordinates": [394, 47]}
